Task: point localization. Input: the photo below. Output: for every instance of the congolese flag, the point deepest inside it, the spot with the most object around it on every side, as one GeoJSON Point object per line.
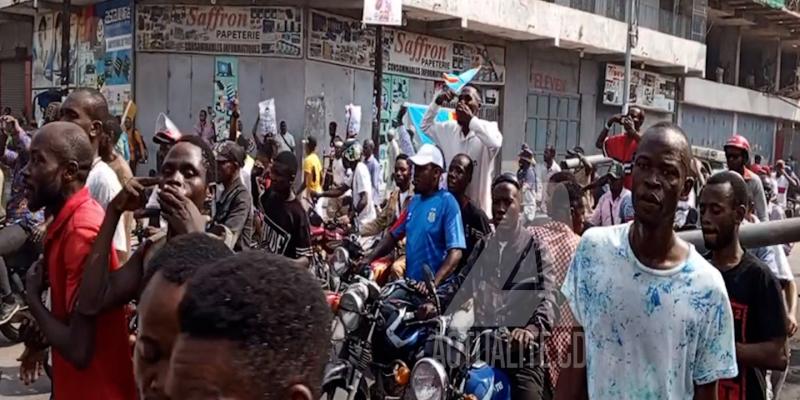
{"type": "Point", "coordinates": [457, 82]}
{"type": "Point", "coordinates": [417, 111]}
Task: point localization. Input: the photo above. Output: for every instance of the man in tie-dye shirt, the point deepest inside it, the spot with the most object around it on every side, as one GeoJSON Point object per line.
{"type": "Point", "coordinates": [654, 314]}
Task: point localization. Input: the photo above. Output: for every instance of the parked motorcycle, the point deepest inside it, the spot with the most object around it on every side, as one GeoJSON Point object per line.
{"type": "Point", "coordinates": [18, 265]}
{"type": "Point", "coordinates": [382, 336]}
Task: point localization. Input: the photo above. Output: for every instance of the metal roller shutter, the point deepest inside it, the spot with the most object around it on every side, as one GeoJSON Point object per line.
{"type": "Point", "coordinates": [12, 85]}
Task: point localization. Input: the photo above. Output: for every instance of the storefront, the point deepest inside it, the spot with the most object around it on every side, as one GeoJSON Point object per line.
{"type": "Point", "coordinates": [191, 58]}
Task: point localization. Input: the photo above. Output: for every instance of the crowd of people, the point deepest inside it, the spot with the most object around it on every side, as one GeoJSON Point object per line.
{"type": "Point", "coordinates": [225, 306]}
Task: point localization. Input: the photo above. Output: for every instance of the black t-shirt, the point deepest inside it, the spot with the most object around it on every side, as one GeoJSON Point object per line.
{"type": "Point", "coordinates": [758, 316]}
{"type": "Point", "coordinates": [286, 228]}
{"type": "Point", "coordinates": [476, 226]}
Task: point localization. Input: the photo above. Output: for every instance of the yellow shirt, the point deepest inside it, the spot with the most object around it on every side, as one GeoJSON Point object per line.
{"type": "Point", "coordinates": [313, 166]}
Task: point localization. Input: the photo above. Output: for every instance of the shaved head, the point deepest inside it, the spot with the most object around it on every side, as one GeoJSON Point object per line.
{"type": "Point", "coordinates": [670, 136]}
{"type": "Point", "coordinates": [68, 142]}
{"type": "Point", "coordinates": [92, 101]}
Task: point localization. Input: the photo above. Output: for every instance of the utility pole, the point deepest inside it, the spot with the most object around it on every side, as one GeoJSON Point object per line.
{"type": "Point", "coordinates": [626, 90]}
{"type": "Point", "coordinates": [377, 85]}
{"type": "Point", "coordinates": [65, 23]}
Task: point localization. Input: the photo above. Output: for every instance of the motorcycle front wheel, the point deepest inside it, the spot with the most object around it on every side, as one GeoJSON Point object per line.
{"type": "Point", "coordinates": [11, 328]}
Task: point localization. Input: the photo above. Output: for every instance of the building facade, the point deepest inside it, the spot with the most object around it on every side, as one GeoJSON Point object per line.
{"type": "Point", "coordinates": [552, 71]}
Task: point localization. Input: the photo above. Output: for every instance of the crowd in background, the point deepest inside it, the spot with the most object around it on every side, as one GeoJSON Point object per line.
{"type": "Point", "coordinates": [215, 244]}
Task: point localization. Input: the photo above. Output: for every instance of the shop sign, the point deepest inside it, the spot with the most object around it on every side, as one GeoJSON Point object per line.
{"type": "Point", "coordinates": [247, 31]}
{"type": "Point", "coordinates": [348, 42]}
{"type": "Point", "coordinates": [648, 89]}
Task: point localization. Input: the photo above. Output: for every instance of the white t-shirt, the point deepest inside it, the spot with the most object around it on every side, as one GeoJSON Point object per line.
{"type": "Point", "coordinates": [650, 334]}
{"type": "Point", "coordinates": [781, 189]}
{"type": "Point", "coordinates": [103, 186]}
{"type": "Point", "coordinates": [543, 175]}
{"type": "Point", "coordinates": [362, 183]}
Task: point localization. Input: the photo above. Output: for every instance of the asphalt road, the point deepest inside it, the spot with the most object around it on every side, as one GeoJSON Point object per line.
{"type": "Point", "coordinates": [12, 388]}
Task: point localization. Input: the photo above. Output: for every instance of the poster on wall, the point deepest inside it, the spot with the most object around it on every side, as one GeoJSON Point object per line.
{"type": "Point", "coordinates": [46, 58]}
{"type": "Point", "coordinates": [648, 90]}
{"type": "Point", "coordinates": [383, 12]}
{"type": "Point", "coordinates": [226, 90]}
{"type": "Point", "coordinates": [342, 41]}
{"type": "Point", "coordinates": [247, 31]}
{"type": "Point", "coordinates": [346, 41]}
{"type": "Point", "coordinates": [396, 91]}
{"type": "Point", "coordinates": [114, 55]}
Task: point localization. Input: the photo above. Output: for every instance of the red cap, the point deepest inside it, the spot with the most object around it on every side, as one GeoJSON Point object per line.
{"type": "Point", "coordinates": [739, 142]}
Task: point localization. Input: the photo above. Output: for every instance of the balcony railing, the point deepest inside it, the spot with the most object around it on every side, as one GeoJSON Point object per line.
{"type": "Point", "coordinates": [650, 16]}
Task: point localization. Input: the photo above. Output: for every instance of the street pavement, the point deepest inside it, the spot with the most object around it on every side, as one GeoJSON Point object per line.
{"type": "Point", "coordinates": [12, 388]}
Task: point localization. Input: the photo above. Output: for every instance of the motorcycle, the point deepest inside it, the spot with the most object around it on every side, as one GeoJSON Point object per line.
{"type": "Point", "coordinates": [381, 337]}
{"type": "Point", "coordinates": [18, 264]}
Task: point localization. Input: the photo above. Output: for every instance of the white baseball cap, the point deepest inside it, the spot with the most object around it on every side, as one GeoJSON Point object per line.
{"type": "Point", "coordinates": [428, 154]}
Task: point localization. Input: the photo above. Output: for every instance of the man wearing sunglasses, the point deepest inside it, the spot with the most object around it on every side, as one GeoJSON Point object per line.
{"type": "Point", "coordinates": [234, 206]}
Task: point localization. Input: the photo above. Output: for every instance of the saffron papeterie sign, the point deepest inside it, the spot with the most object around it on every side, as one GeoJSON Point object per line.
{"type": "Point", "coordinates": [251, 31]}
{"type": "Point", "coordinates": [346, 41]}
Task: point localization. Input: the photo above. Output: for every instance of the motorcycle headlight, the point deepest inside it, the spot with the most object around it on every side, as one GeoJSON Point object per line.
{"type": "Point", "coordinates": [339, 259]}
{"type": "Point", "coordinates": [428, 380]}
{"type": "Point", "coordinates": [350, 320]}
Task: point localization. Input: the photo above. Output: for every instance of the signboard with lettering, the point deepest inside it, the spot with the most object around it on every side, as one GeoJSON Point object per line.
{"type": "Point", "coordinates": [346, 41]}
{"type": "Point", "coordinates": [648, 89]}
{"type": "Point", "coordinates": [554, 76]}
{"type": "Point", "coordinates": [250, 31]}
{"type": "Point", "coordinates": [113, 60]}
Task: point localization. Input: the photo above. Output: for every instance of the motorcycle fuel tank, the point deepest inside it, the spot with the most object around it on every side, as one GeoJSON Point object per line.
{"type": "Point", "coordinates": [487, 383]}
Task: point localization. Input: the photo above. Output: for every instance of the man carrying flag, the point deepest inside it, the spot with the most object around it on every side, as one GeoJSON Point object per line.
{"type": "Point", "coordinates": [468, 134]}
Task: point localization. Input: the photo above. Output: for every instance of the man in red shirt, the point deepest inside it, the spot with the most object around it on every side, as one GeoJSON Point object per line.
{"type": "Point", "coordinates": [622, 147]}
{"type": "Point", "coordinates": [91, 355]}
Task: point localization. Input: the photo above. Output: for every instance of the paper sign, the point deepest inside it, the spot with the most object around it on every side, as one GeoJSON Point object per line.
{"type": "Point", "coordinates": [266, 118]}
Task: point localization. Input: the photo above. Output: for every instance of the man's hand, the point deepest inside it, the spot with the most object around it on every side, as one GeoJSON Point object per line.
{"type": "Point", "coordinates": [627, 123]}
{"type": "Point", "coordinates": [615, 119]}
{"type": "Point", "coordinates": [132, 196]}
{"type": "Point", "coordinates": [464, 113]}
{"type": "Point", "coordinates": [11, 125]}
{"type": "Point", "coordinates": [524, 336]}
{"type": "Point", "coordinates": [181, 214]}
{"type": "Point", "coordinates": [31, 365]}
{"type": "Point", "coordinates": [446, 96]}
{"type": "Point", "coordinates": [34, 281]}
{"type": "Point", "coordinates": [791, 325]}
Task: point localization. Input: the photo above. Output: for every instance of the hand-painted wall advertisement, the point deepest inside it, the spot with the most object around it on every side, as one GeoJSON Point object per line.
{"type": "Point", "coordinates": [249, 31]}
{"type": "Point", "coordinates": [346, 41]}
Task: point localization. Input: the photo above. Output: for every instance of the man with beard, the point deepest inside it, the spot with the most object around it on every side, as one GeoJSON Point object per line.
{"type": "Point", "coordinates": [754, 292]}
{"type": "Point", "coordinates": [431, 224]}
{"type": "Point", "coordinates": [509, 276]}
{"type": "Point", "coordinates": [478, 138]}
{"type": "Point", "coordinates": [91, 355]}
{"type": "Point", "coordinates": [737, 155]}
{"type": "Point", "coordinates": [88, 109]}
{"type": "Point", "coordinates": [474, 220]}
{"type": "Point", "coordinates": [646, 298]}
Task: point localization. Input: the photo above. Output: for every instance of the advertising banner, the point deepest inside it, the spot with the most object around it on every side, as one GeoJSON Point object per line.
{"type": "Point", "coordinates": [114, 53]}
{"type": "Point", "coordinates": [648, 90]}
{"type": "Point", "coordinates": [226, 90]}
{"type": "Point", "coordinates": [383, 12]}
{"type": "Point", "coordinates": [248, 31]}
{"type": "Point", "coordinates": [346, 41]}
